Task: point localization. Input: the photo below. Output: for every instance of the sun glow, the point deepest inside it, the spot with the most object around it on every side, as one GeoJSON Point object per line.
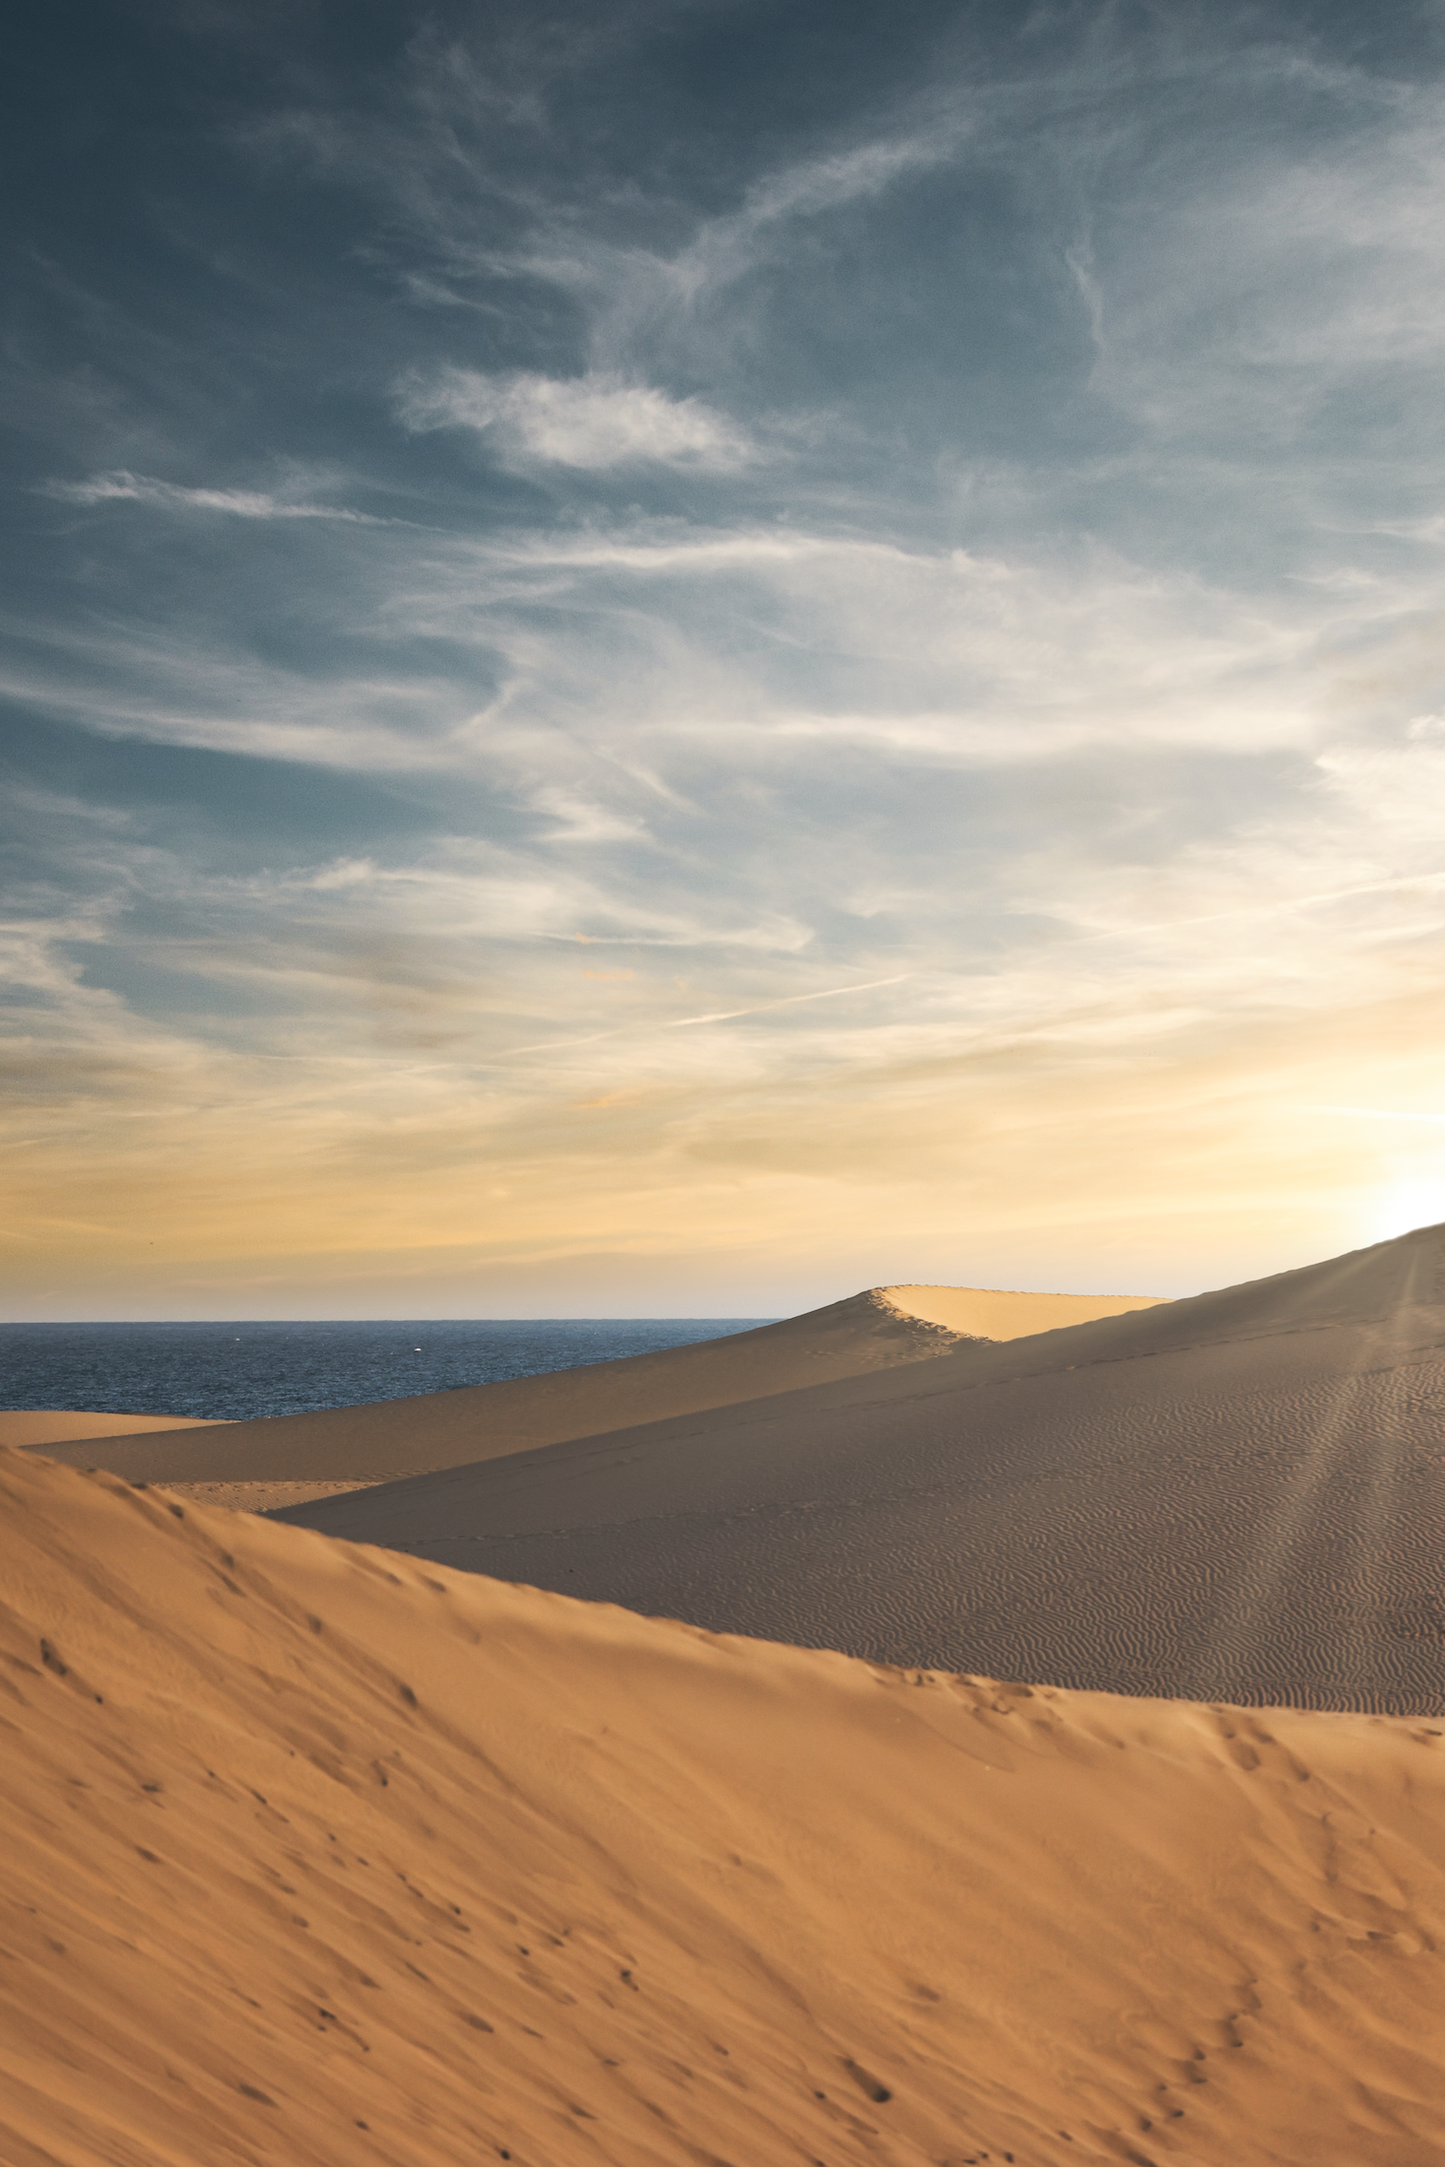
{"type": "Point", "coordinates": [1413, 1196]}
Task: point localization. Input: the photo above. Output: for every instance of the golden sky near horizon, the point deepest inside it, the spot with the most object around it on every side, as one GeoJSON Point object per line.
{"type": "Point", "coordinates": [635, 1179]}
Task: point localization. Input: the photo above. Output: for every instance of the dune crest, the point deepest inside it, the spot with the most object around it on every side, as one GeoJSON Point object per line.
{"type": "Point", "coordinates": [313, 1854]}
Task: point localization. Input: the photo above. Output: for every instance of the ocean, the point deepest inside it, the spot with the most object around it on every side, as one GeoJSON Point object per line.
{"type": "Point", "coordinates": [230, 1371]}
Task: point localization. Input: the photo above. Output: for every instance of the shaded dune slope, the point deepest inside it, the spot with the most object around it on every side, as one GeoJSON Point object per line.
{"type": "Point", "coordinates": [373, 1443]}
{"type": "Point", "coordinates": [314, 1854]}
{"type": "Point", "coordinates": [1237, 1496]}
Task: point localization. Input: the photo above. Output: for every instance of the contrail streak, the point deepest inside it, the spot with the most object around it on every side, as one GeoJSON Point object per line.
{"type": "Point", "coordinates": [791, 1000]}
{"type": "Point", "coordinates": [683, 1023]}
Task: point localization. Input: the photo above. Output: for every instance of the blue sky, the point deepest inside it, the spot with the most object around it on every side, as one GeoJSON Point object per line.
{"type": "Point", "coordinates": [677, 658]}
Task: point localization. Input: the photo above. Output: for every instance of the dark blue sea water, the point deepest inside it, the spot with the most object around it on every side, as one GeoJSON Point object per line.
{"type": "Point", "coordinates": [228, 1372]}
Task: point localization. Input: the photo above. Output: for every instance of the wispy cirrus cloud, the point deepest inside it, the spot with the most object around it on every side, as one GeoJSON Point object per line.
{"type": "Point", "coordinates": [121, 487]}
{"type": "Point", "coordinates": [595, 422]}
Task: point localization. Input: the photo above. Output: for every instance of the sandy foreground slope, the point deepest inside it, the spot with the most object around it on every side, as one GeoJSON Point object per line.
{"type": "Point", "coordinates": [313, 1854]}
{"type": "Point", "coordinates": [1239, 1496]}
{"type": "Point", "coordinates": [277, 1460]}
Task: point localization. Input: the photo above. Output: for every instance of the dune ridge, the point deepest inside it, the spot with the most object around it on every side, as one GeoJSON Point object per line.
{"type": "Point", "coordinates": [318, 1855]}
{"type": "Point", "coordinates": [1236, 1496]}
{"type": "Point", "coordinates": [280, 1459]}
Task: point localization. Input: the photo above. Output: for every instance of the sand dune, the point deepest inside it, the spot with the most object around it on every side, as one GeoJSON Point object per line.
{"type": "Point", "coordinates": [345, 1447]}
{"type": "Point", "coordinates": [51, 1426]}
{"type": "Point", "coordinates": [314, 1855]}
{"type": "Point", "coordinates": [1238, 1496]}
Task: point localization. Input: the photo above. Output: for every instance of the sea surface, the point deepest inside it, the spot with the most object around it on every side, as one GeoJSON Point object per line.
{"type": "Point", "coordinates": [228, 1372]}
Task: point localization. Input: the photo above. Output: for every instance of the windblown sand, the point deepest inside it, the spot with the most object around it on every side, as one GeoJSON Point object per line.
{"type": "Point", "coordinates": [316, 1855]}
{"type": "Point", "coordinates": [261, 1496]}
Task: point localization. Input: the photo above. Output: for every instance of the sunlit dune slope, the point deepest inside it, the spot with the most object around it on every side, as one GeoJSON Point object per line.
{"type": "Point", "coordinates": [315, 1855]}
{"type": "Point", "coordinates": [350, 1445]}
{"type": "Point", "coordinates": [47, 1427]}
{"type": "Point", "coordinates": [983, 1313]}
{"type": "Point", "coordinates": [1241, 1496]}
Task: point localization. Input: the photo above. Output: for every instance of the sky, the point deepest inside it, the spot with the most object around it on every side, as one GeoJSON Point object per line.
{"type": "Point", "coordinates": [676, 656]}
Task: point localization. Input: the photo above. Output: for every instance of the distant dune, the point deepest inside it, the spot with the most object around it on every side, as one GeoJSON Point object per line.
{"type": "Point", "coordinates": [1237, 1496]}
{"type": "Point", "coordinates": [318, 1855]}
{"type": "Point", "coordinates": [50, 1426]}
{"type": "Point", "coordinates": [281, 1458]}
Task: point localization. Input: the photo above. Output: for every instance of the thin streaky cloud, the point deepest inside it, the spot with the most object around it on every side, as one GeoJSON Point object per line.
{"type": "Point", "coordinates": [635, 284]}
{"type": "Point", "coordinates": [682, 1023]}
{"type": "Point", "coordinates": [1279, 906]}
{"type": "Point", "coordinates": [121, 487]}
{"type": "Point", "coordinates": [858, 174]}
{"type": "Point", "coordinates": [792, 1000]}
